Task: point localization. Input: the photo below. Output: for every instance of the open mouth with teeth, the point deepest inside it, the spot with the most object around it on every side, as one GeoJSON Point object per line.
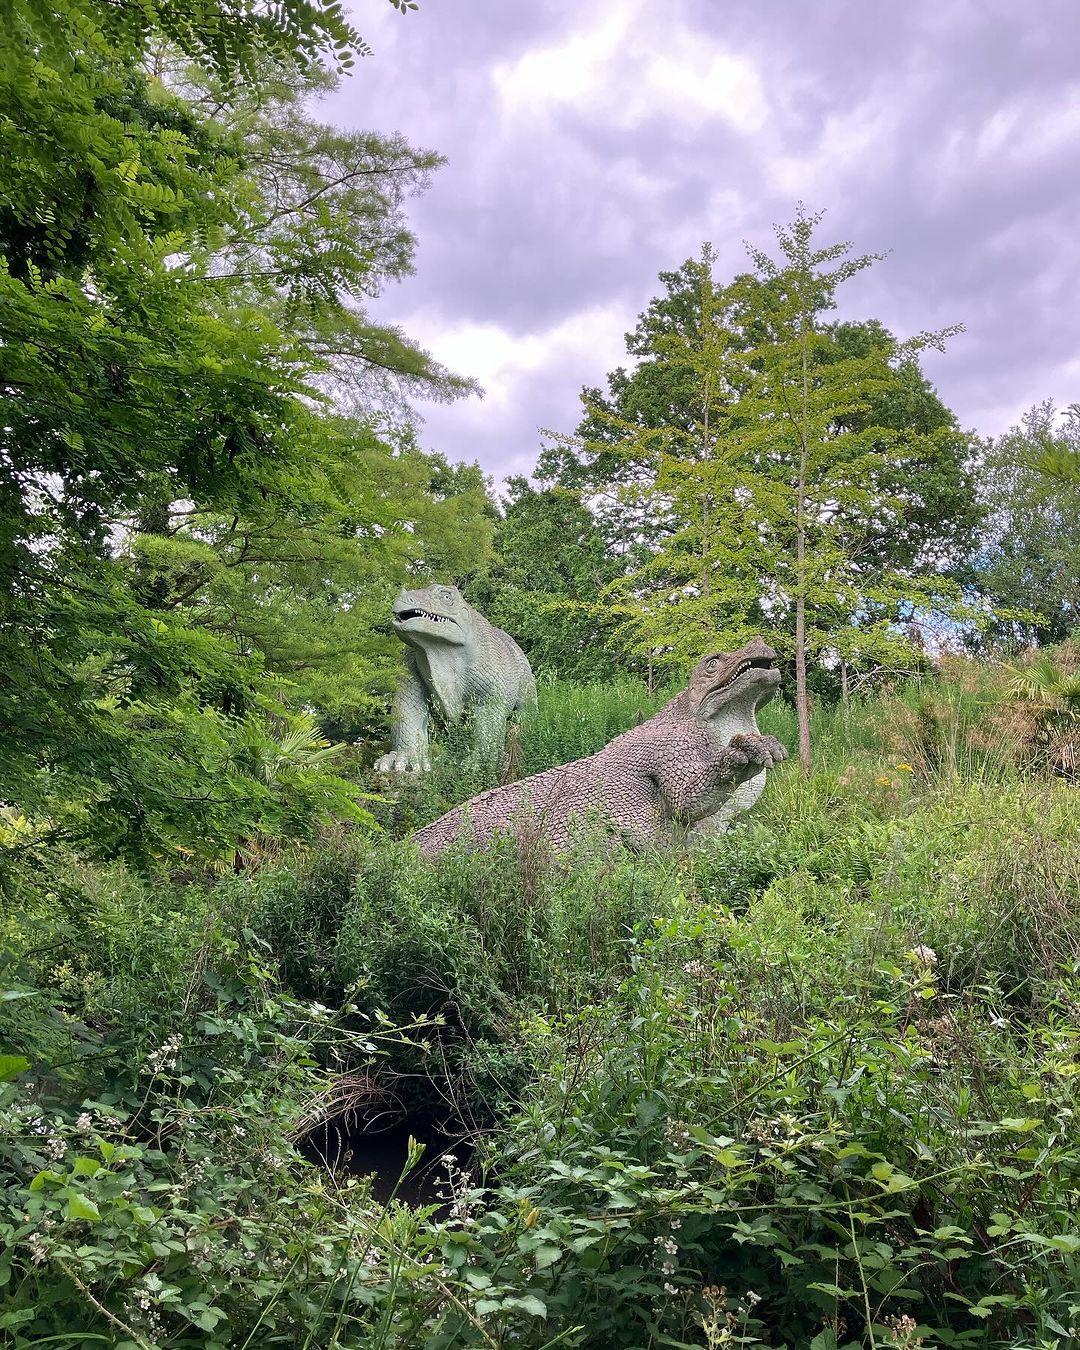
{"type": "Point", "coordinates": [753, 673]}
{"type": "Point", "coordinates": [407, 615]}
{"type": "Point", "coordinates": [752, 663]}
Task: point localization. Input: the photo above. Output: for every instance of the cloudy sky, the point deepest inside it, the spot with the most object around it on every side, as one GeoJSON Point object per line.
{"type": "Point", "coordinates": [591, 146]}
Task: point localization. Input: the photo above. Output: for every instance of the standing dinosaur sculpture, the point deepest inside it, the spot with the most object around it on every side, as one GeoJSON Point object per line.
{"type": "Point", "coordinates": [457, 666]}
{"type": "Point", "coordinates": [694, 765]}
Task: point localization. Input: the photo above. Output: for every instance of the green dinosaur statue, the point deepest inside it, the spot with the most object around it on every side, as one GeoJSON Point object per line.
{"type": "Point", "coordinates": [457, 666]}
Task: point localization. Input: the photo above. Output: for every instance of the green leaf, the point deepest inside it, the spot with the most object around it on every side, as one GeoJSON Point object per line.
{"type": "Point", "coordinates": [46, 1174]}
{"type": "Point", "coordinates": [528, 1303]}
{"type": "Point", "coordinates": [12, 1065]}
{"type": "Point", "coordinates": [80, 1206]}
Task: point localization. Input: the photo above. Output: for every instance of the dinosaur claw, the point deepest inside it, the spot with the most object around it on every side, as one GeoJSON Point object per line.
{"type": "Point", "coordinates": [759, 749]}
{"type": "Point", "coordinates": [398, 761]}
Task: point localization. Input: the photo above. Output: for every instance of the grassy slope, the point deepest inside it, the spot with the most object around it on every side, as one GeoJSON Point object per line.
{"type": "Point", "coordinates": [814, 1085]}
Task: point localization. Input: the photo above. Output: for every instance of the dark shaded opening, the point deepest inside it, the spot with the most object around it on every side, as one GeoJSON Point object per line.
{"type": "Point", "coordinates": [363, 1143]}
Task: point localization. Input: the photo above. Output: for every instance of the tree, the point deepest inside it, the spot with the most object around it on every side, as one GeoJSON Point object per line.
{"type": "Point", "coordinates": [312, 593]}
{"type": "Point", "coordinates": [809, 405]}
{"type": "Point", "coordinates": [169, 338]}
{"type": "Point", "coordinates": [1028, 558]}
{"type": "Point", "coordinates": [796, 481]}
{"type": "Point", "coordinates": [545, 586]}
{"type": "Point", "coordinates": [661, 389]}
{"type": "Point", "coordinates": [692, 570]}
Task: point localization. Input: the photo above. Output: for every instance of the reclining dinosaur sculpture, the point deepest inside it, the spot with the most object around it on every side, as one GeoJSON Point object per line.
{"type": "Point", "coordinates": [457, 665]}
{"type": "Point", "coordinates": [694, 764]}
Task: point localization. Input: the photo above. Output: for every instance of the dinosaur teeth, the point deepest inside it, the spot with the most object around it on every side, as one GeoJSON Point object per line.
{"type": "Point", "coordinates": [758, 663]}
{"type": "Point", "coordinates": [408, 615]}
{"type": "Point", "coordinates": [743, 665]}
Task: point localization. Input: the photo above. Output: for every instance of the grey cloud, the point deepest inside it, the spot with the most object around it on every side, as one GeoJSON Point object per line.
{"type": "Point", "coordinates": [876, 112]}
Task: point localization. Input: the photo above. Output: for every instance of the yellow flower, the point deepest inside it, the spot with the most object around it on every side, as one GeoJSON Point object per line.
{"type": "Point", "coordinates": [905, 768]}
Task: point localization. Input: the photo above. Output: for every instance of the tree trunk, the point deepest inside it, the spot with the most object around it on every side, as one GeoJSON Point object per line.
{"type": "Point", "coordinates": [802, 702]}
{"type": "Point", "coordinates": [802, 699]}
{"type": "Point", "coordinates": [845, 691]}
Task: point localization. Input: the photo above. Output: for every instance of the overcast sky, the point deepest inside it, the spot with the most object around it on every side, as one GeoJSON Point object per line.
{"type": "Point", "coordinates": [591, 146]}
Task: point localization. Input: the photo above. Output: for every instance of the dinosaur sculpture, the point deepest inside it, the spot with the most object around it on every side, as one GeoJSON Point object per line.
{"type": "Point", "coordinates": [457, 665]}
{"type": "Point", "coordinates": [693, 765]}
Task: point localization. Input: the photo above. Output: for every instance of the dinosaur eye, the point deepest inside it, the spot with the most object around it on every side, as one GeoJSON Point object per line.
{"type": "Point", "coordinates": [446, 593]}
{"type": "Point", "coordinates": [711, 664]}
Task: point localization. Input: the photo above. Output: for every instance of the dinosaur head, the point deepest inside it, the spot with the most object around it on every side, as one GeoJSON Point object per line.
{"type": "Point", "coordinates": [725, 680]}
{"type": "Point", "coordinates": [436, 614]}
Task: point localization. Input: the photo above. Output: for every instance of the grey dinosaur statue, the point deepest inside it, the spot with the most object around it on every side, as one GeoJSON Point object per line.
{"type": "Point", "coordinates": [690, 767]}
{"type": "Point", "coordinates": [457, 666]}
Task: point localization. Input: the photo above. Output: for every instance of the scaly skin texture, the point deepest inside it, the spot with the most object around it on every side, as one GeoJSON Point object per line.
{"type": "Point", "coordinates": [689, 768]}
{"type": "Point", "coordinates": [457, 665]}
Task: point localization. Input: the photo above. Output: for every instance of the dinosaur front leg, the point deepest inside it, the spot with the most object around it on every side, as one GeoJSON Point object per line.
{"type": "Point", "coordinates": [489, 733]}
{"type": "Point", "coordinates": [733, 800]}
{"type": "Point", "coordinates": [702, 785]}
{"type": "Point", "coordinates": [409, 744]}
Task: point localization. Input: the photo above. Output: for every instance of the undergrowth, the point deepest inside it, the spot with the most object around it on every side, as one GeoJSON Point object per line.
{"type": "Point", "coordinates": [811, 1085]}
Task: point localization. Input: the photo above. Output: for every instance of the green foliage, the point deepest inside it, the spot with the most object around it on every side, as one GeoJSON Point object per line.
{"type": "Point", "coordinates": [1029, 559]}
{"type": "Point", "coordinates": [761, 468]}
{"type": "Point", "coordinates": [1058, 459]}
{"type": "Point", "coordinates": [185, 530]}
{"type": "Point", "coordinates": [813, 1084]}
{"type": "Point", "coordinates": [553, 566]}
{"type": "Point", "coordinates": [136, 1218]}
{"type": "Point", "coordinates": [475, 941]}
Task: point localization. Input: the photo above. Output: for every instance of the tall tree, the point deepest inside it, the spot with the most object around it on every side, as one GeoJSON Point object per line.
{"type": "Point", "coordinates": [809, 407]}
{"type": "Point", "coordinates": [798, 480]}
{"type": "Point", "coordinates": [169, 335]}
{"type": "Point", "coordinates": [661, 390]}
{"type": "Point", "coordinates": [1028, 558]}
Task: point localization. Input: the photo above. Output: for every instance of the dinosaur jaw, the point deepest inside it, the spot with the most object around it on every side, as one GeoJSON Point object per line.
{"type": "Point", "coordinates": [417, 625]}
{"type": "Point", "coordinates": [752, 680]}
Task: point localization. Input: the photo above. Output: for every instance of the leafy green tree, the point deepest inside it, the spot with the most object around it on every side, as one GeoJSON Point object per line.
{"type": "Point", "coordinates": [797, 483]}
{"type": "Point", "coordinates": [310, 590]}
{"type": "Point", "coordinates": [840, 472]}
{"type": "Point", "coordinates": [546, 585]}
{"type": "Point", "coordinates": [662, 389]}
{"type": "Point", "coordinates": [1028, 559]}
{"type": "Point", "coordinates": [170, 333]}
